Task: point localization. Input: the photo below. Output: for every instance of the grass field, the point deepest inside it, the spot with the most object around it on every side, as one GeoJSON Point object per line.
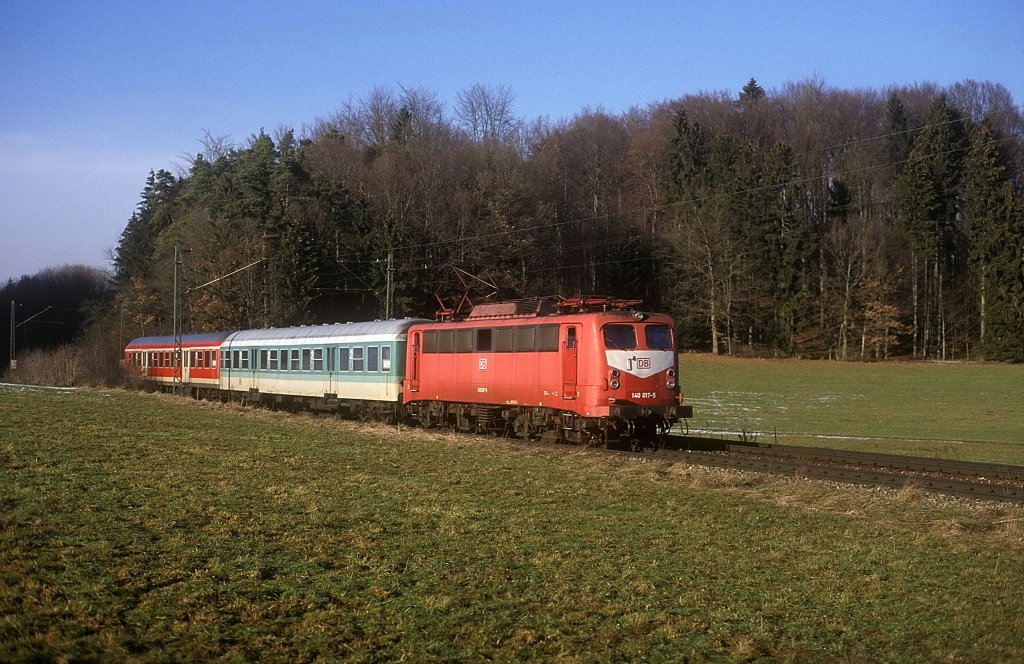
{"type": "Point", "coordinates": [957, 411]}
{"type": "Point", "coordinates": [147, 528]}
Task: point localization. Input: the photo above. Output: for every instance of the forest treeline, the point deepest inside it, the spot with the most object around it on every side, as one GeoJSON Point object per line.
{"type": "Point", "coordinates": [807, 221]}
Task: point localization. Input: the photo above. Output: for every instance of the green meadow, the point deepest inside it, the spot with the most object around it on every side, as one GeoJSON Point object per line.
{"type": "Point", "coordinates": [148, 528]}
{"type": "Point", "coordinates": [966, 411]}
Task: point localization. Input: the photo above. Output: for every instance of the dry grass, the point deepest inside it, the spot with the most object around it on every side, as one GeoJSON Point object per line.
{"type": "Point", "coordinates": [153, 528]}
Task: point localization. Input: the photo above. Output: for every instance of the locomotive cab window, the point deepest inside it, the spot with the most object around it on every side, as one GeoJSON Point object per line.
{"type": "Point", "coordinates": [658, 337]}
{"type": "Point", "coordinates": [619, 337]}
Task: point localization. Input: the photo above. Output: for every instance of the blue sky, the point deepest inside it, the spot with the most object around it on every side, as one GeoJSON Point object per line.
{"type": "Point", "coordinates": [93, 95]}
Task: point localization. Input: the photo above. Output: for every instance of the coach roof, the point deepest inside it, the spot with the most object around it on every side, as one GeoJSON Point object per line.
{"type": "Point", "coordinates": [378, 329]}
{"type": "Point", "coordinates": [191, 339]}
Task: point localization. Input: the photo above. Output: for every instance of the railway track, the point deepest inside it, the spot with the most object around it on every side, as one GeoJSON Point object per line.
{"type": "Point", "coordinates": [963, 479]}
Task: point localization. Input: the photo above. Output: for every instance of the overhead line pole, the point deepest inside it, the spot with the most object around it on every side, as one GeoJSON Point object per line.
{"type": "Point", "coordinates": [176, 328]}
{"type": "Point", "coordinates": [13, 362]}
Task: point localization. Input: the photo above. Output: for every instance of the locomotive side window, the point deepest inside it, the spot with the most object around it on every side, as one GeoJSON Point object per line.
{"type": "Point", "coordinates": [503, 339]}
{"type": "Point", "coordinates": [525, 339]}
{"type": "Point", "coordinates": [343, 359]}
{"type": "Point", "coordinates": [373, 359]}
{"type": "Point", "coordinates": [464, 341]}
{"type": "Point", "coordinates": [658, 337]}
{"type": "Point", "coordinates": [483, 340]}
{"type": "Point", "coordinates": [547, 338]}
{"type": "Point", "coordinates": [446, 341]}
{"type": "Point", "coordinates": [621, 337]}
{"type": "Point", "coordinates": [430, 341]}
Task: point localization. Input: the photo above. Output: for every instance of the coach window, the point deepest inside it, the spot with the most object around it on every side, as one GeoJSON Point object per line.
{"type": "Point", "coordinates": [658, 337]}
{"type": "Point", "coordinates": [525, 339]}
{"type": "Point", "coordinates": [373, 359]}
{"type": "Point", "coordinates": [227, 360]}
{"type": "Point", "coordinates": [344, 359]}
{"type": "Point", "coordinates": [273, 360]}
{"type": "Point", "coordinates": [385, 359]}
{"type": "Point", "coordinates": [357, 358]}
{"type": "Point", "coordinates": [307, 359]}
{"type": "Point", "coordinates": [263, 360]}
{"type": "Point", "coordinates": [483, 340]}
{"type": "Point", "coordinates": [547, 338]}
{"type": "Point", "coordinates": [464, 341]}
{"type": "Point", "coordinates": [330, 360]}
{"type": "Point", "coordinates": [294, 366]}
{"type": "Point", "coordinates": [213, 356]}
{"type": "Point", "coordinates": [236, 361]}
{"type": "Point", "coordinates": [318, 359]}
{"type": "Point", "coordinates": [503, 338]}
{"type": "Point", "coordinates": [620, 337]}
{"type": "Point", "coordinates": [245, 359]}
{"type": "Point", "coordinates": [208, 359]}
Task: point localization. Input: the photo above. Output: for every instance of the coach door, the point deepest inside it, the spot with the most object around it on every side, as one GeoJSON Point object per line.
{"type": "Point", "coordinates": [414, 366]}
{"type": "Point", "coordinates": [570, 352]}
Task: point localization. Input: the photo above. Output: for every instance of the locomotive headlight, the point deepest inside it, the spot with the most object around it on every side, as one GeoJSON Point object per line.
{"type": "Point", "coordinates": [639, 315]}
{"type": "Point", "coordinates": [671, 373]}
{"type": "Point", "coordinates": [615, 373]}
{"type": "Point", "coordinates": [615, 384]}
{"type": "Point", "coordinates": [671, 384]}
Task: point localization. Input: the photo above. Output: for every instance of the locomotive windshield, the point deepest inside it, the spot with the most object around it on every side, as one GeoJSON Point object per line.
{"type": "Point", "coordinates": [659, 337]}
{"type": "Point", "coordinates": [619, 337]}
{"type": "Point", "coordinates": [622, 336]}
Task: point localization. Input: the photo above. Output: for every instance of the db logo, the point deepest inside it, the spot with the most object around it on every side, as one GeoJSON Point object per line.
{"type": "Point", "coordinates": [643, 363]}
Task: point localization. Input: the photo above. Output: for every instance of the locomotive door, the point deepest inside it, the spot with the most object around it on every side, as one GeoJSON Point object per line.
{"type": "Point", "coordinates": [414, 368]}
{"type": "Point", "coordinates": [570, 352]}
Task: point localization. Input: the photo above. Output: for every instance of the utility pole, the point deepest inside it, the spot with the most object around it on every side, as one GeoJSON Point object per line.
{"type": "Point", "coordinates": [389, 289]}
{"type": "Point", "coordinates": [175, 326]}
{"type": "Point", "coordinates": [14, 362]}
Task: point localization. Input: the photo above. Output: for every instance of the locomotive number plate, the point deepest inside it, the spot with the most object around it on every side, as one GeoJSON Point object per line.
{"type": "Point", "coordinates": [644, 395]}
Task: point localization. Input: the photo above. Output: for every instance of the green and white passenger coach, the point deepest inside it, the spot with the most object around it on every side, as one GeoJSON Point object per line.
{"type": "Point", "coordinates": [356, 368]}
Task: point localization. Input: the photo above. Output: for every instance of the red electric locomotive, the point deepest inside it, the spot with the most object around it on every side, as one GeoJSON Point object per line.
{"type": "Point", "coordinates": [584, 370]}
